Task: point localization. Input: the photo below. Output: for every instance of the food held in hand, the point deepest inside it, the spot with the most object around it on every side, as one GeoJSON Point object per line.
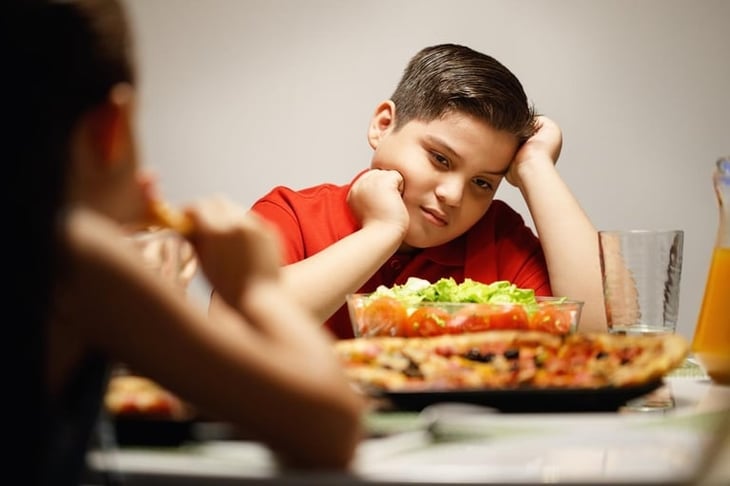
{"type": "Point", "coordinates": [163, 214]}
{"type": "Point", "coordinates": [420, 309]}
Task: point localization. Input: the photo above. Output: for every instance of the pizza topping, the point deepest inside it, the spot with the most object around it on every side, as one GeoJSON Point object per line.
{"type": "Point", "coordinates": [137, 396]}
{"type": "Point", "coordinates": [510, 359]}
{"type": "Point", "coordinates": [475, 355]}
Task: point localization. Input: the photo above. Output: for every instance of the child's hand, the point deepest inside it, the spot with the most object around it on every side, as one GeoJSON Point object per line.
{"type": "Point", "coordinates": [168, 254]}
{"type": "Point", "coordinates": [542, 148]}
{"type": "Point", "coordinates": [234, 247]}
{"type": "Point", "coordinates": [376, 196]}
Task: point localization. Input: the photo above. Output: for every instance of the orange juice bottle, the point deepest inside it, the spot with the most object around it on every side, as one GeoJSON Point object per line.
{"type": "Point", "coordinates": [711, 342]}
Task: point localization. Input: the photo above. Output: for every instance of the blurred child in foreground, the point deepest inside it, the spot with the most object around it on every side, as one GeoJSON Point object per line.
{"type": "Point", "coordinates": [81, 296]}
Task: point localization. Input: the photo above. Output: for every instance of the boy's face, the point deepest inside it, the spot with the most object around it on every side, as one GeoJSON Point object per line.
{"type": "Point", "coordinates": [451, 168]}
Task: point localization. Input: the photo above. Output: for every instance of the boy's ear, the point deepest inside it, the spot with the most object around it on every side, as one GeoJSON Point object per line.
{"type": "Point", "coordinates": [111, 125]}
{"type": "Point", "coordinates": [381, 123]}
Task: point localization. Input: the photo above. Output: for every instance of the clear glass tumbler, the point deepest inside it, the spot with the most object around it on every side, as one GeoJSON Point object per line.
{"type": "Point", "coordinates": [641, 271]}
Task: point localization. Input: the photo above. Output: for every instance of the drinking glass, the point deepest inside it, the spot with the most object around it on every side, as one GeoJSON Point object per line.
{"type": "Point", "coordinates": [641, 271]}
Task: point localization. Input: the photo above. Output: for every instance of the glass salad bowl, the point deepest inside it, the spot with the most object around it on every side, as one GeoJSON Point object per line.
{"type": "Point", "coordinates": [419, 308]}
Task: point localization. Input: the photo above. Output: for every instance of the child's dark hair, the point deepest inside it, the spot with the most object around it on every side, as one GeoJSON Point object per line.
{"type": "Point", "coordinates": [60, 59]}
{"type": "Point", "coordinates": [450, 78]}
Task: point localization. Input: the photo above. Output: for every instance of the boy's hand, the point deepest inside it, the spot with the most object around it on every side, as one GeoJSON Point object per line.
{"type": "Point", "coordinates": [543, 147]}
{"type": "Point", "coordinates": [234, 247]}
{"type": "Point", "coordinates": [376, 196]}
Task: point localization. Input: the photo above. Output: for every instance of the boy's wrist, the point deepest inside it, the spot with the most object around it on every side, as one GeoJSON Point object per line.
{"type": "Point", "coordinates": [259, 293]}
{"type": "Point", "coordinates": [386, 231]}
{"type": "Point", "coordinates": [527, 169]}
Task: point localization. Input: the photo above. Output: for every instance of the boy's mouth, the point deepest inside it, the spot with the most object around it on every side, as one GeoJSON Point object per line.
{"type": "Point", "coordinates": [434, 216]}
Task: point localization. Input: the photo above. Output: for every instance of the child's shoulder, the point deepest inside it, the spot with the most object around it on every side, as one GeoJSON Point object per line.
{"type": "Point", "coordinates": [319, 191]}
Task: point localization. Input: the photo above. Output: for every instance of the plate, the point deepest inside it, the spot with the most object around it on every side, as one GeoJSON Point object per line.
{"type": "Point", "coordinates": [526, 400]}
{"type": "Point", "coordinates": [133, 431]}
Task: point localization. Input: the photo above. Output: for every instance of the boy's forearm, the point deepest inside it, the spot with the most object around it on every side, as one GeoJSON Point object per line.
{"type": "Point", "coordinates": [568, 238]}
{"type": "Point", "coordinates": [322, 281]}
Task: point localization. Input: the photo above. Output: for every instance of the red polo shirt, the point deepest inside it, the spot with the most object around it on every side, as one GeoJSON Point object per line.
{"type": "Point", "coordinates": [498, 247]}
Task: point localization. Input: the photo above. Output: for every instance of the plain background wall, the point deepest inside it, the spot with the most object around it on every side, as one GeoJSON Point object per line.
{"type": "Point", "coordinates": [238, 96]}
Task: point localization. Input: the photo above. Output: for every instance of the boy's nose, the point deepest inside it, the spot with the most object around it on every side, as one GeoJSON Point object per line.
{"type": "Point", "coordinates": [450, 191]}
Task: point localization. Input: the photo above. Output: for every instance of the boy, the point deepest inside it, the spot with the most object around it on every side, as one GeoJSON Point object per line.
{"type": "Point", "coordinates": [457, 124]}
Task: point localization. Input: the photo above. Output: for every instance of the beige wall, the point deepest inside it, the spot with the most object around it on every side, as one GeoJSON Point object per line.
{"type": "Point", "coordinates": [240, 95]}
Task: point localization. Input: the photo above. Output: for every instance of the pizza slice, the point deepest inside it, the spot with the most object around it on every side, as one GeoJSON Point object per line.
{"type": "Point", "coordinates": [164, 215]}
{"type": "Point", "coordinates": [131, 396]}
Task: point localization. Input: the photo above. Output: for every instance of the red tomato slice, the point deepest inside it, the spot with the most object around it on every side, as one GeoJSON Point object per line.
{"type": "Point", "coordinates": [508, 316]}
{"type": "Point", "coordinates": [384, 316]}
{"type": "Point", "coordinates": [551, 319]}
{"type": "Point", "coordinates": [470, 318]}
{"type": "Point", "coordinates": [428, 321]}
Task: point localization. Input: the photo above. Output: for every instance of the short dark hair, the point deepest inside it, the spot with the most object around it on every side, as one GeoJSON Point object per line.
{"type": "Point", "coordinates": [448, 78]}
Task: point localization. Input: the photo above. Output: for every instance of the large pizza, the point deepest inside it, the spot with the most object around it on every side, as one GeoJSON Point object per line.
{"type": "Point", "coordinates": [509, 360]}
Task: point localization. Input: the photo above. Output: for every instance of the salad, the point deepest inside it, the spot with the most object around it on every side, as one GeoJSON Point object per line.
{"type": "Point", "coordinates": [422, 308]}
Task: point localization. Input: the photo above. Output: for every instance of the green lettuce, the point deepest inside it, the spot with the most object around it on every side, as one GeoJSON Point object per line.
{"type": "Point", "coordinates": [417, 290]}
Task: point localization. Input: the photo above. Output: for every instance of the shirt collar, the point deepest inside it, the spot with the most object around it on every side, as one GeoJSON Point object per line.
{"type": "Point", "coordinates": [451, 253]}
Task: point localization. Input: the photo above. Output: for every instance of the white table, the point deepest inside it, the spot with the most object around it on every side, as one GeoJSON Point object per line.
{"type": "Point", "coordinates": [457, 445]}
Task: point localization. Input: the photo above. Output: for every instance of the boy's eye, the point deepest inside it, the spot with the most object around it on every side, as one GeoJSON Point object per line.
{"type": "Point", "coordinates": [482, 184]}
{"type": "Point", "coordinates": [440, 159]}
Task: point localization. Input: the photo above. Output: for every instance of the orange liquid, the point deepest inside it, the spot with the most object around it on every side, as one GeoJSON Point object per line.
{"type": "Point", "coordinates": [711, 343]}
